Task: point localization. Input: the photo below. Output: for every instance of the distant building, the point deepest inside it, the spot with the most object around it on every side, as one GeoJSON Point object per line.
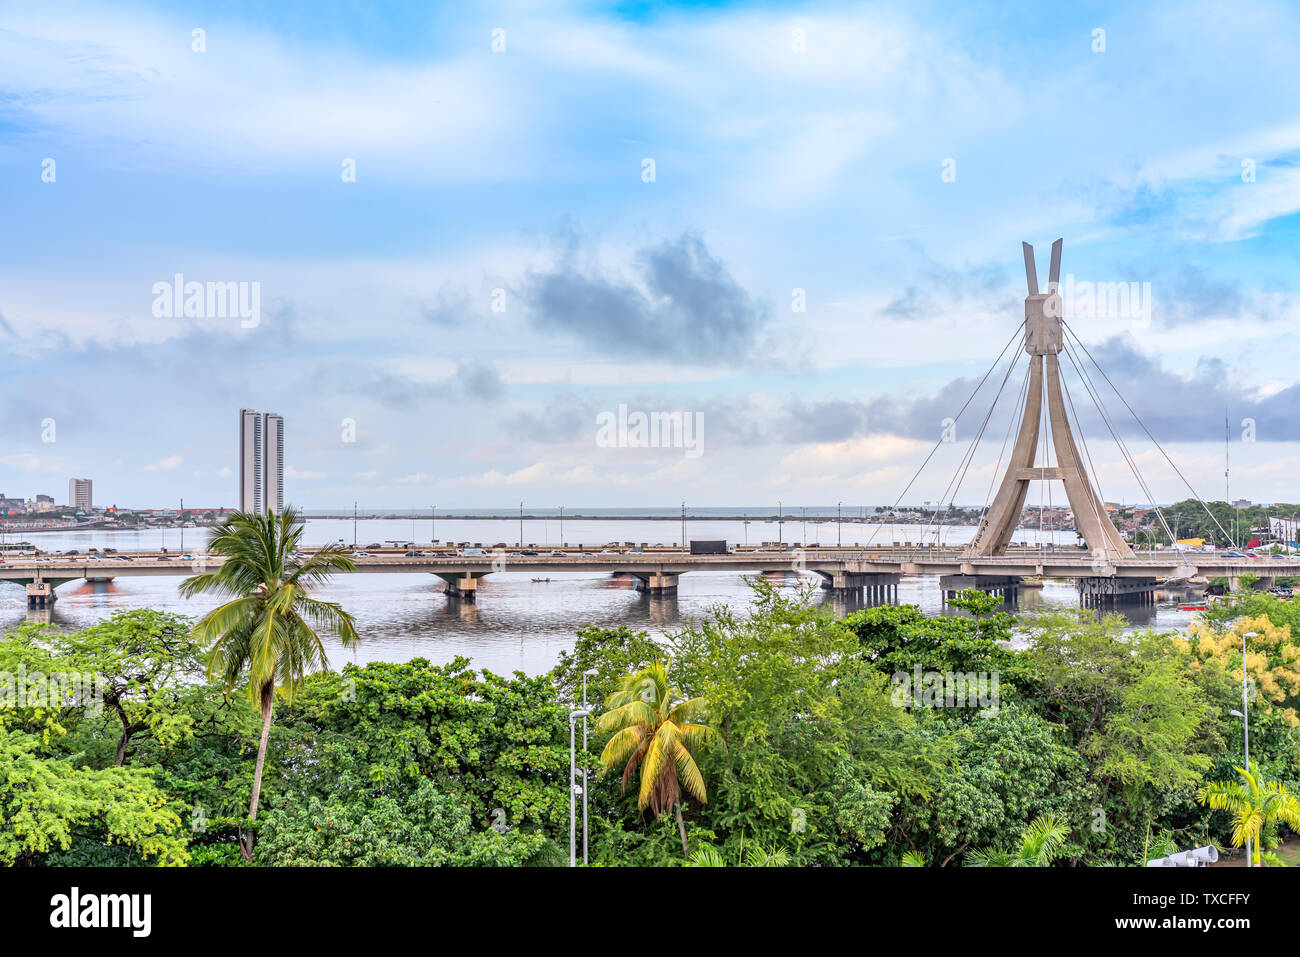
{"type": "Point", "coordinates": [79, 493]}
{"type": "Point", "coordinates": [261, 462]}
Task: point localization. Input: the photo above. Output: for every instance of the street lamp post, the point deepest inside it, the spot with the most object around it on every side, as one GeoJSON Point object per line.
{"type": "Point", "coordinates": [780, 539]}
{"type": "Point", "coordinates": [1243, 714]}
{"type": "Point", "coordinates": [354, 526]}
{"type": "Point", "coordinates": [573, 786]}
{"type": "Point", "coordinates": [839, 525]}
{"type": "Point", "coordinates": [561, 526]}
{"type": "Point", "coordinates": [684, 525]}
{"type": "Point", "coordinates": [589, 672]}
{"type": "Point", "coordinates": [433, 524]}
{"type": "Point", "coordinates": [521, 524]}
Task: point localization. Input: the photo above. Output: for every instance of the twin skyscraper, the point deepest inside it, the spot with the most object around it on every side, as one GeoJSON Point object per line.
{"type": "Point", "coordinates": [261, 462]}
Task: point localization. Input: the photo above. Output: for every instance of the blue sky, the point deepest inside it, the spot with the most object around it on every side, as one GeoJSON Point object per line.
{"type": "Point", "coordinates": [795, 147]}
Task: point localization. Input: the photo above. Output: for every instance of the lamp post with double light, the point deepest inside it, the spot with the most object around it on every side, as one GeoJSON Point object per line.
{"type": "Point", "coordinates": [574, 715]}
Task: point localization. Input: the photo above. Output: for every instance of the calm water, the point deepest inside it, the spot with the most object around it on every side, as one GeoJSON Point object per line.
{"type": "Point", "coordinates": [517, 624]}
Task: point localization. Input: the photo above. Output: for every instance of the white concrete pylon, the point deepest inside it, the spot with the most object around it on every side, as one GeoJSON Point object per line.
{"type": "Point", "coordinates": [1044, 341]}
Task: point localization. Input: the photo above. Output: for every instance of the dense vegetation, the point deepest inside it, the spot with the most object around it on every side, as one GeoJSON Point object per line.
{"type": "Point", "coordinates": [810, 739]}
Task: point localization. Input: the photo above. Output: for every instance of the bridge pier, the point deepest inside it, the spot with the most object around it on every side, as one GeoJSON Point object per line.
{"type": "Point", "coordinates": [658, 583]}
{"type": "Point", "coordinates": [462, 587]}
{"type": "Point", "coordinates": [40, 594]}
{"type": "Point", "coordinates": [1006, 587]}
{"type": "Point", "coordinates": [881, 587]}
{"type": "Point", "coordinates": [1107, 592]}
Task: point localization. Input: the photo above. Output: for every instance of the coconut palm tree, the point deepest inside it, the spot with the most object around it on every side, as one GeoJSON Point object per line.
{"type": "Point", "coordinates": [1040, 844]}
{"type": "Point", "coordinates": [1256, 807]}
{"type": "Point", "coordinates": [267, 633]}
{"type": "Point", "coordinates": [657, 731]}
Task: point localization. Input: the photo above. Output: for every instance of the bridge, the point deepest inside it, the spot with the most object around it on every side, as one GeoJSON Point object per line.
{"type": "Point", "coordinates": [851, 569]}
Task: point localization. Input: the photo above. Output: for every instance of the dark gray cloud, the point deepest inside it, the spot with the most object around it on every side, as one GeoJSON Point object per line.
{"type": "Point", "coordinates": [1175, 408]}
{"type": "Point", "coordinates": [472, 381]}
{"type": "Point", "coordinates": [936, 288]}
{"type": "Point", "coordinates": [686, 306]}
{"type": "Point", "coordinates": [447, 309]}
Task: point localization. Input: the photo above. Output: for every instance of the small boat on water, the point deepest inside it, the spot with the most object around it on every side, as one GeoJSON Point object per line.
{"type": "Point", "coordinates": [541, 579]}
{"type": "Point", "coordinates": [1193, 606]}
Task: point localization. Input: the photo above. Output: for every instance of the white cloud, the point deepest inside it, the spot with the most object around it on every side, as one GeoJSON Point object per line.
{"type": "Point", "coordinates": [162, 465]}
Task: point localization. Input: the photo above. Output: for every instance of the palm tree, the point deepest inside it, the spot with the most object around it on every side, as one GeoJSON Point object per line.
{"type": "Point", "coordinates": [1040, 844]}
{"type": "Point", "coordinates": [268, 630]}
{"type": "Point", "coordinates": [657, 731]}
{"type": "Point", "coordinates": [755, 856]}
{"type": "Point", "coordinates": [1256, 807]}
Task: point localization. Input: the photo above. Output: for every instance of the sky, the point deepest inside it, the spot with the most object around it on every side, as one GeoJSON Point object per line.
{"type": "Point", "coordinates": [472, 233]}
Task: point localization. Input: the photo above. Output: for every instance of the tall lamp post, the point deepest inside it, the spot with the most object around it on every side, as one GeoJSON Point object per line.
{"type": "Point", "coordinates": [589, 672]}
{"type": "Point", "coordinates": [573, 784]}
{"type": "Point", "coordinates": [1244, 714]}
{"type": "Point", "coordinates": [521, 524]}
{"type": "Point", "coordinates": [780, 539]}
{"type": "Point", "coordinates": [433, 524]}
{"type": "Point", "coordinates": [839, 525]}
{"type": "Point", "coordinates": [561, 526]}
{"type": "Point", "coordinates": [683, 525]}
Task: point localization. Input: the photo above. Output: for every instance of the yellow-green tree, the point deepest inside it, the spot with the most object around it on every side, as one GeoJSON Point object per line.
{"type": "Point", "coordinates": [656, 732]}
{"type": "Point", "coordinates": [1256, 806]}
{"type": "Point", "coordinates": [1272, 658]}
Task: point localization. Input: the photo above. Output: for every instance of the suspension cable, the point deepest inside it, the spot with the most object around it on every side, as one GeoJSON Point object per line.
{"type": "Point", "coordinates": [957, 418]}
{"type": "Point", "coordinates": [1113, 427]}
{"type": "Point", "coordinates": [1161, 449]}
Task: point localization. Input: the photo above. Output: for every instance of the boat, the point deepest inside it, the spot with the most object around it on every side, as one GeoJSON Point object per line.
{"type": "Point", "coordinates": [1193, 606]}
{"type": "Point", "coordinates": [541, 579]}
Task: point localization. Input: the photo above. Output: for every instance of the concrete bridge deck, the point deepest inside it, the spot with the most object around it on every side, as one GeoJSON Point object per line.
{"type": "Point", "coordinates": [658, 571]}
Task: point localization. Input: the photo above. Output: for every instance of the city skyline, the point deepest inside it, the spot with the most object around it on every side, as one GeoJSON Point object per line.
{"type": "Point", "coordinates": [450, 286]}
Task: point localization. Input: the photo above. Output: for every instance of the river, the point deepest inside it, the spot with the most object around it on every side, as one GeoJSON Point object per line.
{"type": "Point", "coordinates": [519, 624]}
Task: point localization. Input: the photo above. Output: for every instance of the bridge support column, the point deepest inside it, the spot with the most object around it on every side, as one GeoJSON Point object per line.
{"type": "Point", "coordinates": [658, 583]}
{"type": "Point", "coordinates": [877, 584]}
{"type": "Point", "coordinates": [1006, 587]}
{"type": "Point", "coordinates": [40, 594]}
{"type": "Point", "coordinates": [461, 587]}
{"type": "Point", "coordinates": [1106, 592]}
